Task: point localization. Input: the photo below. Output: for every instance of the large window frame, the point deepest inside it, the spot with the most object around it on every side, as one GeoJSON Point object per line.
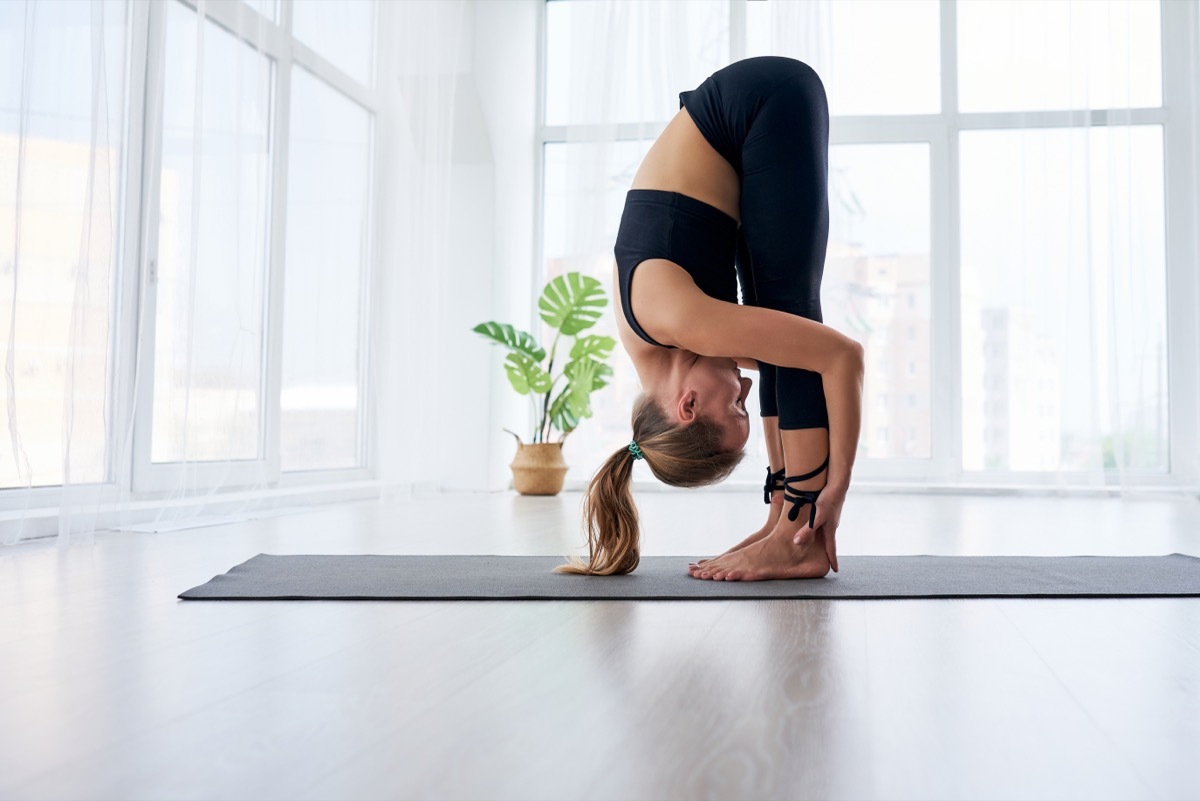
{"type": "Point", "coordinates": [133, 301]}
{"type": "Point", "coordinates": [1180, 37]}
{"type": "Point", "coordinates": [275, 41]}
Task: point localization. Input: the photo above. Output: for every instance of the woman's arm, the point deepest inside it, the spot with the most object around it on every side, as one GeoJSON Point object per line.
{"type": "Point", "coordinates": [784, 340]}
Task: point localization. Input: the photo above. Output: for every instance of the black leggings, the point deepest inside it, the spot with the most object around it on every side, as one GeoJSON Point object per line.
{"type": "Point", "coordinates": [769, 118]}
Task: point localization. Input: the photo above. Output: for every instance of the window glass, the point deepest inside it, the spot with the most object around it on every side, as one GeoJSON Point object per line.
{"type": "Point", "coordinates": [1068, 54]}
{"type": "Point", "coordinates": [328, 203]}
{"type": "Point", "coordinates": [212, 247]}
{"type": "Point", "coordinates": [342, 31]}
{"type": "Point", "coordinates": [874, 56]}
{"type": "Point", "coordinates": [876, 287]}
{"type": "Point", "coordinates": [1062, 246]}
{"type": "Point", "coordinates": [576, 93]}
{"type": "Point", "coordinates": [59, 231]}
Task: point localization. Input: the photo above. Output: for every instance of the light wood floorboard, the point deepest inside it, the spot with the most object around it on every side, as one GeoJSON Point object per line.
{"type": "Point", "coordinates": [114, 688]}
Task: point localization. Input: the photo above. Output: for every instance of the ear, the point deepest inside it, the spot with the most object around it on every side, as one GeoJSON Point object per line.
{"type": "Point", "coordinates": [685, 410]}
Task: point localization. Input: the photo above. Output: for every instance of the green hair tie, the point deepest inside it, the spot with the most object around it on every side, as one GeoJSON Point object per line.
{"type": "Point", "coordinates": [635, 450]}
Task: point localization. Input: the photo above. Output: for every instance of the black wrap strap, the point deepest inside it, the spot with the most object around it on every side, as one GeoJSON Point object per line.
{"type": "Point", "coordinates": [774, 482]}
{"type": "Point", "coordinates": [799, 498]}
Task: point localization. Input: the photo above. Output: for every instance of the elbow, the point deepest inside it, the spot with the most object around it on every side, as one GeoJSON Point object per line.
{"type": "Point", "coordinates": [856, 358]}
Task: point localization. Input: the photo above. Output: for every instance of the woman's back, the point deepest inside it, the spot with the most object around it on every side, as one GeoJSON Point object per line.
{"type": "Point", "coordinates": [681, 160]}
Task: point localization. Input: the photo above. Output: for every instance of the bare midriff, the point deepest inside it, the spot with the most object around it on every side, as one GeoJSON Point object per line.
{"type": "Point", "coordinates": [681, 160]}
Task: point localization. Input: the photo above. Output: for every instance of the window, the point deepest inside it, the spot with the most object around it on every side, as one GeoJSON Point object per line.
{"type": "Point", "coordinates": [879, 247]}
{"type": "Point", "coordinates": [249, 127]}
{"type": "Point", "coordinates": [329, 194]}
{"type": "Point", "coordinates": [958, 254]}
{"type": "Point", "coordinates": [250, 380]}
{"type": "Point", "coordinates": [212, 257]}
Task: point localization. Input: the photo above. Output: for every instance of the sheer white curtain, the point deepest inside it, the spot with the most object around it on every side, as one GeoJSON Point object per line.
{"type": "Point", "coordinates": [425, 55]}
{"type": "Point", "coordinates": [1000, 224]}
{"type": "Point", "coordinates": [1063, 228]}
{"type": "Point", "coordinates": [64, 91]}
{"type": "Point", "coordinates": [209, 294]}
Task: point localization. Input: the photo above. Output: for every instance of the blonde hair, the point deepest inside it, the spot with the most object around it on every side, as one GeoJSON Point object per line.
{"type": "Point", "coordinates": [682, 456]}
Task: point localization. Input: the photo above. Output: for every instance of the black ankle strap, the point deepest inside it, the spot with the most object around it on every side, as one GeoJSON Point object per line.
{"type": "Point", "coordinates": [774, 482]}
{"type": "Point", "coordinates": [798, 498]}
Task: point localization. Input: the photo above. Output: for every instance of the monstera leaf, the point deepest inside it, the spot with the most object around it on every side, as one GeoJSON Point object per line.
{"type": "Point", "coordinates": [526, 375]}
{"type": "Point", "coordinates": [574, 402]}
{"type": "Point", "coordinates": [587, 372]}
{"type": "Point", "coordinates": [579, 391]}
{"type": "Point", "coordinates": [598, 347]}
{"type": "Point", "coordinates": [561, 416]}
{"type": "Point", "coordinates": [512, 338]}
{"type": "Point", "coordinates": [572, 302]}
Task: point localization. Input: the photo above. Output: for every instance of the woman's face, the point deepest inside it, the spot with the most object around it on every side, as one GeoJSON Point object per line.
{"type": "Point", "coordinates": [714, 389]}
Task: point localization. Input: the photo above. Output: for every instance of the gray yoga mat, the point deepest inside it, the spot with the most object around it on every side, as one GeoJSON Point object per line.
{"type": "Point", "coordinates": [269, 577]}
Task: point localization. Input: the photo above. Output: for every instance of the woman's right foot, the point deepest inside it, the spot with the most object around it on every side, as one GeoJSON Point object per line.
{"type": "Point", "coordinates": [774, 557]}
{"type": "Point", "coordinates": [772, 519]}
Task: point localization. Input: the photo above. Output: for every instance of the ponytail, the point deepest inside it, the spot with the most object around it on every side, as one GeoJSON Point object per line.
{"type": "Point", "coordinates": [682, 456]}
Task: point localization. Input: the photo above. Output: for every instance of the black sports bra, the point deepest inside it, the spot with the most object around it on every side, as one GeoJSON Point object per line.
{"type": "Point", "coordinates": [700, 238]}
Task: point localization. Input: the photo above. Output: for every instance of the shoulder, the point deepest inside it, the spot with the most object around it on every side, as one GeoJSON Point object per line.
{"type": "Point", "coordinates": [637, 348]}
{"type": "Point", "coordinates": [665, 300]}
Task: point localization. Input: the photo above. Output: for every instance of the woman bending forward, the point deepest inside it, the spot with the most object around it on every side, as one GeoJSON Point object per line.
{"type": "Point", "coordinates": [734, 191]}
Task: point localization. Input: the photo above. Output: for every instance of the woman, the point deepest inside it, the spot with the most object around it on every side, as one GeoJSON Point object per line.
{"type": "Point", "coordinates": [734, 191]}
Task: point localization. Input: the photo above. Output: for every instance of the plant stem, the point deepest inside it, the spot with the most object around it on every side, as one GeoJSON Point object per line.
{"type": "Point", "coordinates": [544, 423]}
{"type": "Point", "coordinates": [537, 431]}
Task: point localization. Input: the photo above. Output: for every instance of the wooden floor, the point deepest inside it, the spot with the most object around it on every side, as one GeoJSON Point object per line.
{"type": "Point", "coordinates": [113, 688]}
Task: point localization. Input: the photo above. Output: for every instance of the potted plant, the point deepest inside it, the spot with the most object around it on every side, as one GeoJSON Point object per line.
{"type": "Point", "coordinates": [561, 398]}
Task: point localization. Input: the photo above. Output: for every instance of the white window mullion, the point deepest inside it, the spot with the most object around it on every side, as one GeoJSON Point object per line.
{"type": "Point", "coordinates": [127, 299]}
{"type": "Point", "coordinates": [1059, 119]}
{"type": "Point", "coordinates": [366, 322]}
{"type": "Point", "coordinates": [247, 24]}
{"type": "Point", "coordinates": [1181, 94]}
{"type": "Point", "coordinates": [147, 266]}
{"type": "Point", "coordinates": [737, 30]}
{"type": "Point", "coordinates": [946, 326]}
{"type": "Point", "coordinates": [304, 56]}
{"type": "Point", "coordinates": [276, 275]}
{"type": "Point", "coordinates": [544, 134]}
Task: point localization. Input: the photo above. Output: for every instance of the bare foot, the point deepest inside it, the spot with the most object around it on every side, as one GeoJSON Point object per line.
{"type": "Point", "coordinates": [772, 519]}
{"type": "Point", "coordinates": [773, 557]}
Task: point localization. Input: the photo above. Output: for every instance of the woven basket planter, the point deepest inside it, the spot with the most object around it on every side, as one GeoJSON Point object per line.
{"type": "Point", "coordinates": [538, 468]}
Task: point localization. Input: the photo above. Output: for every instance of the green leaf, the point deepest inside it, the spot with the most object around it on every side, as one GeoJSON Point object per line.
{"type": "Point", "coordinates": [598, 347]}
{"type": "Point", "coordinates": [561, 416]}
{"type": "Point", "coordinates": [597, 370]}
{"type": "Point", "coordinates": [515, 340]}
{"type": "Point", "coordinates": [573, 403]}
{"type": "Point", "coordinates": [572, 302]}
{"type": "Point", "coordinates": [579, 391]}
{"type": "Point", "coordinates": [526, 375]}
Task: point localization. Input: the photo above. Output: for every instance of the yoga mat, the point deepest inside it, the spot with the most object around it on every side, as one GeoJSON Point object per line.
{"type": "Point", "coordinates": [269, 577]}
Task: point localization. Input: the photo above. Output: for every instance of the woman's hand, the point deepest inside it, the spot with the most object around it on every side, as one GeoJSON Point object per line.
{"type": "Point", "coordinates": [829, 515]}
